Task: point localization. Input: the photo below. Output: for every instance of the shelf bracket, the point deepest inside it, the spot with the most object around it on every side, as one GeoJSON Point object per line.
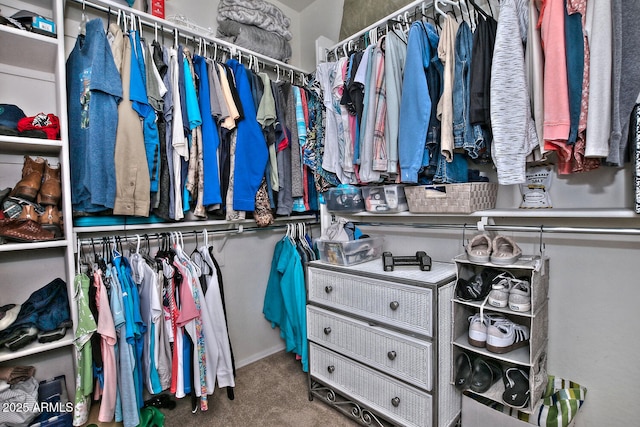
{"type": "Point", "coordinates": [484, 221]}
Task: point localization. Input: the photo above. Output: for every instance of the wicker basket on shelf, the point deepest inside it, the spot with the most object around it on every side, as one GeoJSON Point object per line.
{"type": "Point", "coordinates": [452, 198]}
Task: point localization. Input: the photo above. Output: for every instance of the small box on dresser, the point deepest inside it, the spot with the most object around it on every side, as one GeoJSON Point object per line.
{"type": "Point", "coordinates": [380, 342]}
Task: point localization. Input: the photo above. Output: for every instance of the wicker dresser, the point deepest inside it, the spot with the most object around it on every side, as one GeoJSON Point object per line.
{"type": "Point", "coordinates": [380, 349]}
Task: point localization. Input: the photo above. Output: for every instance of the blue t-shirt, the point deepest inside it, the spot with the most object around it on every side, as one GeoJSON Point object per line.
{"type": "Point", "coordinates": [140, 103]}
{"type": "Point", "coordinates": [94, 89]}
{"type": "Point", "coordinates": [251, 148]}
{"type": "Point", "coordinates": [210, 140]}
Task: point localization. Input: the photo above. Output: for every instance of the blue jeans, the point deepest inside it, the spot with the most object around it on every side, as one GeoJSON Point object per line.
{"type": "Point", "coordinates": [466, 136]}
{"type": "Point", "coordinates": [454, 172]}
{"type": "Point", "coordinates": [435, 84]}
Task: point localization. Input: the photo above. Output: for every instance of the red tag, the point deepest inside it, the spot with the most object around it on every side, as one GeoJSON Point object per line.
{"type": "Point", "coordinates": [157, 8]}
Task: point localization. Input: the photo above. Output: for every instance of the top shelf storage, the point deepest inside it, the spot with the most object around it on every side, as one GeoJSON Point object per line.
{"type": "Point", "coordinates": [22, 49]}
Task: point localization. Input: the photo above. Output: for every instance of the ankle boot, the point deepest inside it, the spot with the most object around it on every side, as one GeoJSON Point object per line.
{"type": "Point", "coordinates": [28, 187]}
{"type": "Point", "coordinates": [51, 220]}
{"type": "Point", "coordinates": [50, 190]}
{"type": "Point", "coordinates": [29, 212]}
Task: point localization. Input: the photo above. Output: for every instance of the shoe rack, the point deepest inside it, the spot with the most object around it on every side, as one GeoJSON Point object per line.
{"type": "Point", "coordinates": [530, 358]}
{"type": "Point", "coordinates": [32, 76]}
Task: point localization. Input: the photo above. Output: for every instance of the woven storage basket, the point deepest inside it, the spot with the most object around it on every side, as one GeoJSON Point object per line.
{"type": "Point", "coordinates": [452, 198]}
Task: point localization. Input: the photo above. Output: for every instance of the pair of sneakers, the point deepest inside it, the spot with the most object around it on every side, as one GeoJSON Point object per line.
{"type": "Point", "coordinates": [496, 333]}
{"type": "Point", "coordinates": [509, 291]}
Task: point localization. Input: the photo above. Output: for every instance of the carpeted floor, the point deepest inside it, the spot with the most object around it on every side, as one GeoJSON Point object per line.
{"type": "Point", "coordinates": [271, 392]}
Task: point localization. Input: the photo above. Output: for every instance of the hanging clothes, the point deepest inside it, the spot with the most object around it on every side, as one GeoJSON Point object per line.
{"type": "Point", "coordinates": [84, 330]}
{"type": "Point", "coordinates": [251, 149]}
{"type": "Point", "coordinates": [108, 339]}
{"type": "Point", "coordinates": [514, 133]}
{"type": "Point", "coordinates": [395, 56]}
{"type": "Point", "coordinates": [285, 299]}
{"type": "Point", "coordinates": [210, 138]}
{"type": "Point", "coordinates": [415, 105]}
{"type": "Point", "coordinates": [94, 89]}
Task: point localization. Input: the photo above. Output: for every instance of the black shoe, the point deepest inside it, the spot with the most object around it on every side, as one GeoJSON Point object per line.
{"type": "Point", "coordinates": [486, 373]}
{"type": "Point", "coordinates": [516, 388]}
{"type": "Point", "coordinates": [464, 370]}
{"type": "Point", "coordinates": [161, 401]}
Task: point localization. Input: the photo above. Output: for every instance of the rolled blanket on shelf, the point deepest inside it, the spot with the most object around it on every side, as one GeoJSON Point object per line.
{"type": "Point", "coordinates": [255, 39]}
{"type": "Point", "coordinates": [255, 12]}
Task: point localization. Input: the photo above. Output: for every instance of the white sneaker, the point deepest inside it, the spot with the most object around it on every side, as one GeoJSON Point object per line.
{"type": "Point", "coordinates": [499, 295]}
{"type": "Point", "coordinates": [503, 337]}
{"type": "Point", "coordinates": [478, 324]}
{"type": "Point", "coordinates": [520, 295]}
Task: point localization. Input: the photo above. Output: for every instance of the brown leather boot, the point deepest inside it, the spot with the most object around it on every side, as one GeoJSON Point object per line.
{"type": "Point", "coordinates": [51, 220]}
{"type": "Point", "coordinates": [29, 185]}
{"type": "Point", "coordinates": [29, 212]}
{"type": "Point", "coordinates": [50, 190]}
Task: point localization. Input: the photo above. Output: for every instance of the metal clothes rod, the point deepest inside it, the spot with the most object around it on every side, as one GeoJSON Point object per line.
{"type": "Point", "coordinates": [514, 228]}
{"type": "Point", "coordinates": [154, 23]}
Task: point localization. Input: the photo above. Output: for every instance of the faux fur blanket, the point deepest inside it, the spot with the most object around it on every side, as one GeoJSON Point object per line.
{"type": "Point", "coordinates": [256, 39]}
{"type": "Point", "coordinates": [255, 12]}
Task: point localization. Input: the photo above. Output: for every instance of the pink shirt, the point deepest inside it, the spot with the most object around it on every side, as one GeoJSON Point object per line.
{"type": "Point", "coordinates": [107, 332]}
{"type": "Point", "coordinates": [556, 92]}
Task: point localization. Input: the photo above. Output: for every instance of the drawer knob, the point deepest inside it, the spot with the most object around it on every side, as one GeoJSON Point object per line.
{"type": "Point", "coordinates": [327, 330]}
{"type": "Point", "coordinates": [328, 289]}
{"type": "Point", "coordinates": [391, 355]}
{"type": "Point", "coordinates": [395, 402]}
{"type": "Point", "coordinates": [331, 368]}
{"type": "Point", "coordinates": [394, 305]}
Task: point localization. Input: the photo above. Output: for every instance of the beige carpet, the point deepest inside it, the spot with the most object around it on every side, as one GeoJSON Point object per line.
{"type": "Point", "coordinates": [271, 392]}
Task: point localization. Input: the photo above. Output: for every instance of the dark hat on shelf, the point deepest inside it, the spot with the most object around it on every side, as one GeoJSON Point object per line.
{"type": "Point", "coordinates": [9, 116]}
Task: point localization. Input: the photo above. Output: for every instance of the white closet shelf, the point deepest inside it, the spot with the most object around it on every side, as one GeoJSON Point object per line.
{"type": "Point", "coordinates": [11, 247]}
{"type": "Point", "coordinates": [27, 50]}
{"type": "Point", "coordinates": [511, 213]}
{"type": "Point", "coordinates": [36, 347]}
{"type": "Point", "coordinates": [168, 226]}
{"type": "Point", "coordinates": [21, 145]}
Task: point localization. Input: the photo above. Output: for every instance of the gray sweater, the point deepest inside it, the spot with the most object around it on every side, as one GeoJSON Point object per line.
{"type": "Point", "coordinates": [626, 75]}
{"type": "Point", "coordinates": [514, 132]}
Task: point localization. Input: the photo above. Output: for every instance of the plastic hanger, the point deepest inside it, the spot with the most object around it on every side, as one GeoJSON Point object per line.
{"type": "Point", "coordinates": [479, 9]}
{"type": "Point", "coordinates": [436, 7]}
{"type": "Point", "coordinates": [82, 27]}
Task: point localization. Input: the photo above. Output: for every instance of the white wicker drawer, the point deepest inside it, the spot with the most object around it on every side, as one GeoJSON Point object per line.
{"type": "Point", "coordinates": [399, 355]}
{"type": "Point", "coordinates": [404, 306]}
{"type": "Point", "coordinates": [404, 404]}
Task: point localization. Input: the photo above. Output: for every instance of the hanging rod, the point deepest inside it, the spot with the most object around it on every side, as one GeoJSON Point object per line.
{"type": "Point", "coordinates": [377, 24]}
{"type": "Point", "coordinates": [157, 234]}
{"type": "Point", "coordinates": [153, 22]}
{"type": "Point", "coordinates": [513, 228]}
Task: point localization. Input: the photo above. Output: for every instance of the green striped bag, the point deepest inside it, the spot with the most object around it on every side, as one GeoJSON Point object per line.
{"type": "Point", "coordinates": [560, 403]}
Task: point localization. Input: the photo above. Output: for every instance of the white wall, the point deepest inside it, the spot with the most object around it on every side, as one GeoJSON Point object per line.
{"type": "Point", "coordinates": [321, 18]}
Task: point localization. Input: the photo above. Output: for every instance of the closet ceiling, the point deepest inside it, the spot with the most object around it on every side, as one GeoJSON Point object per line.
{"type": "Point", "coordinates": [297, 5]}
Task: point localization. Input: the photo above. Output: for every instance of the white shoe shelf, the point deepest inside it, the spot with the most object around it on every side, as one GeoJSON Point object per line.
{"type": "Point", "coordinates": [532, 357]}
{"type": "Point", "coordinates": [32, 76]}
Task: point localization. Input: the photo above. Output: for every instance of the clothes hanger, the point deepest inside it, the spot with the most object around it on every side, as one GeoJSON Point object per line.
{"type": "Point", "coordinates": [82, 27]}
{"type": "Point", "coordinates": [478, 9]}
{"type": "Point", "coordinates": [436, 7]}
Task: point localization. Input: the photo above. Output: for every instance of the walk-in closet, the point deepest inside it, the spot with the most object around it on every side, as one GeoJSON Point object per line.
{"type": "Point", "coordinates": [319, 212]}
